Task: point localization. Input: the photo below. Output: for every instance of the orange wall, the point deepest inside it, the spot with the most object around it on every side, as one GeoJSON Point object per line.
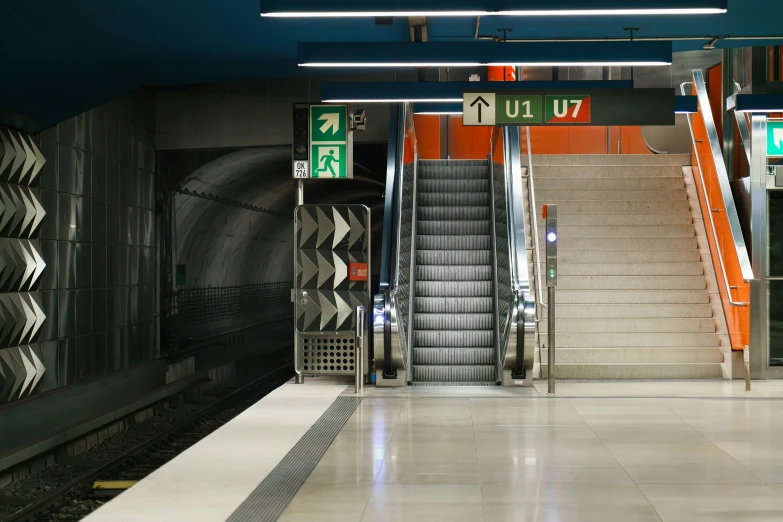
{"type": "Point", "coordinates": [737, 317]}
{"type": "Point", "coordinates": [428, 135]}
{"type": "Point", "coordinates": [468, 142]}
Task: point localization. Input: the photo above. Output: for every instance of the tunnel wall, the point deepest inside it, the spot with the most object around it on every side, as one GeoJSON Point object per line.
{"type": "Point", "coordinates": [97, 239]}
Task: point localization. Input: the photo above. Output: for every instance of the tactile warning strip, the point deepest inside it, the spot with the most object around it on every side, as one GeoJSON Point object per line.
{"type": "Point", "coordinates": [270, 498]}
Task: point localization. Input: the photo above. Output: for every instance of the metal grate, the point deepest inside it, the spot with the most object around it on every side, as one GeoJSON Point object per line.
{"type": "Point", "coordinates": [270, 498]}
{"type": "Point", "coordinates": [203, 311]}
{"type": "Point", "coordinates": [328, 354]}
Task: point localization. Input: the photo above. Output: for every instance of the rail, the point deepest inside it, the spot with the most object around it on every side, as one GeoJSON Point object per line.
{"type": "Point", "coordinates": [531, 199]}
{"type": "Point", "coordinates": [743, 126]}
{"type": "Point", "coordinates": [723, 184]}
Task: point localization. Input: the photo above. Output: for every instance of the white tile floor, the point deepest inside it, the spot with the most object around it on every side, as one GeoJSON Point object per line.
{"type": "Point", "coordinates": [597, 452]}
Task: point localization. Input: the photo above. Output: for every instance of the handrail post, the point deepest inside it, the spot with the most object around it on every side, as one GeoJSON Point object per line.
{"type": "Point", "coordinates": [359, 350]}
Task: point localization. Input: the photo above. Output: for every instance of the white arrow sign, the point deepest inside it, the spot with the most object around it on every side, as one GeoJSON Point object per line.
{"type": "Point", "coordinates": [777, 135]}
{"type": "Point", "coordinates": [332, 120]}
{"type": "Point", "coordinates": [478, 108]}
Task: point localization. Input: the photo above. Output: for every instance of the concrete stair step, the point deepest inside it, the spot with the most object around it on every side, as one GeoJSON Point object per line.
{"type": "Point", "coordinates": [451, 228]}
{"type": "Point", "coordinates": [438, 321]}
{"type": "Point", "coordinates": [632, 181]}
{"type": "Point", "coordinates": [620, 311]}
{"type": "Point", "coordinates": [601, 231]}
{"type": "Point", "coordinates": [625, 243]}
{"type": "Point", "coordinates": [613, 205]}
{"type": "Point", "coordinates": [634, 160]}
{"type": "Point", "coordinates": [596, 297]}
{"type": "Point", "coordinates": [662, 371]}
{"type": "Point", "coordinates": [628, 269]}
{"type": "Point", "coordinates": [632, 325]}
{"type": "Point", "coordinates": [629, 355]}
{"type": "Point", "coordinates": [623, 256]}
{"type": "Point", "coordinates": [624, 195]}
{"type": "Point", "coordinates": [605, 171]}
{"type": "Point", "coordinates": [631, 283]}
{"type": "Point", "coordinates": [619, 218]}
{"type": "Point", "coordinates": [642, 339]}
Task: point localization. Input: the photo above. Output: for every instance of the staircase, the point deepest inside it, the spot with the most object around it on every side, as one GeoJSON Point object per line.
{"type": "Point", "coordinates": [453, 320]}
{"type": "Point", "coordinates": [632, 298]}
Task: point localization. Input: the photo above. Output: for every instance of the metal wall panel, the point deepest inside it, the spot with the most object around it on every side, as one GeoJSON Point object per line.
{"type": "Point", "coordinates": [97, 189]}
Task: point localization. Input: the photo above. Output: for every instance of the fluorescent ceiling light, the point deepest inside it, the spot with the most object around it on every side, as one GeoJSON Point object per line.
{"type": "Point", "coordinates": [439, 113]}
{"type": "Point", "coordinates": [475, 53]}
{"type": "Point", "coordinates": [480, 64]}
{"type": "Point", "coordinates": [393, 100]}
{"type": "Point", "coordinates": [547, 12]}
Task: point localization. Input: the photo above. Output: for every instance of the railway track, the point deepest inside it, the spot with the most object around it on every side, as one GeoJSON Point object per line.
{"type": "Point", "coordinates": [72, 498]}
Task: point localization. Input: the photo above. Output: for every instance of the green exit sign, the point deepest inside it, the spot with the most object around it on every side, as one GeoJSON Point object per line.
{"type": "Point", "coordinates": [774, 139]}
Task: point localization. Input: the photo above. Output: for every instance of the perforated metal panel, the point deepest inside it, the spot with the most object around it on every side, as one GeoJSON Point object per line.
{"type": "Point", "coordinates": [329, 354]}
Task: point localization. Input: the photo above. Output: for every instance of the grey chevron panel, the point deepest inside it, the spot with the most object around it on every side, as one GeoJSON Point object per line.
{"type": "Point", "coordinates": [21, 212]}
{"type": "Point", "coordinates": [21, 369]}
{"type": "Point", "coordinates": [20, 158]}
{"type": "Point", "coordinates": [21, 265]}
{"type": "Point", "coordinates": [22, 318]}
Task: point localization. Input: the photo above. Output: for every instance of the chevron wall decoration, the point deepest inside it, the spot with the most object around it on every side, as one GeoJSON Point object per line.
{"type": "Point", "coordinates": [21, 265]}
{"type": "Point", "coordinates": [328, 239]}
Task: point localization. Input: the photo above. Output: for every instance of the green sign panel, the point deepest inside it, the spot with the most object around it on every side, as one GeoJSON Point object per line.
{"type": "Point", "coordinates": [523, 109]}
{"type": "Point", "coordinates": [775, 139]}
{"type": "Point", "coordinates": [329, 142]}
{"type": "Point", "coordinates": [329, 161]}
{"type": "Point", "coordinates": [606, 106]}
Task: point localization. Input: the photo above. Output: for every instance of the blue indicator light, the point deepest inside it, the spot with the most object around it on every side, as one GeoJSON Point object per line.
{"type": "Point", "coordinates": [551, 237]}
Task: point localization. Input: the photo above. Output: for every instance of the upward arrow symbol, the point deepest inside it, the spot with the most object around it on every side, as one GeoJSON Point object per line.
{"type": "Point", "coordinates": [777, 137]}
{"type": "Point", "coordinates": [332, 120]}
{"type": "Point", "coordinates": [483, 101]}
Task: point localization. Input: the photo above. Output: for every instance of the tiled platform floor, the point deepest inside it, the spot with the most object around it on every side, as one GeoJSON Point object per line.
{"type": "Point", "coordinates": [598, 453]}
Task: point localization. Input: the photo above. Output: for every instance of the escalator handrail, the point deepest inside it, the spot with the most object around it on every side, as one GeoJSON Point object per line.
{"type": "Point", "coordinates": [723, 185]}
{"type": "Point", "coordinates": [520, 281]}
{"type": "Point", "coordinates": [531, 192]}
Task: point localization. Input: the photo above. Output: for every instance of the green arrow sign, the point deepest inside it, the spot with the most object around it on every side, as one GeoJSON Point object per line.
{"type": "Point", "coordinates": [329, 150]}
{"type": "Point", "coordinates": [328, 123]}
{"type": "Point", "coordinates": [775, 139]}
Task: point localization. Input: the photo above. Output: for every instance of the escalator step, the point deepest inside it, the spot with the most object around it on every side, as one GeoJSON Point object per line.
{"type": "Point", "coordinates": [442, 242]}
{"type": "Point", "coordinates": [453, 272]}
{"type": "Point", "coordinates": [445, 213]}
{"type": "Point", "coordinates": [444, 356]}
{"type": "Point", "coordinates": [434, 321]}
{"type": "Point", "coordinates": [455, 305]}
{"type": "Point", "coordinates": [456, 339]}
{"type": "Point", "coordinates": [454, 199]}
{"type": "Point", "coordinates": [455, 374]}
{"type": "Point", "coordinates": [453, 257]}
{"type": "Point", "coordinates": [452, 228]}
{"type": "Point", "coordinates": [453, 289]}
{"type": "Point", "coordinates": [444, 186]}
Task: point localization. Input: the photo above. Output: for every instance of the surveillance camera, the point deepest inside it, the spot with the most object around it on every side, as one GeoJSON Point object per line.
{"type": "Point", "coordinates": [360, 120]}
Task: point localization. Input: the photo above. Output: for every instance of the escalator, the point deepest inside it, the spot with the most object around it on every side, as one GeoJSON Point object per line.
{"type": "Point", "coordinates": [454, 305]}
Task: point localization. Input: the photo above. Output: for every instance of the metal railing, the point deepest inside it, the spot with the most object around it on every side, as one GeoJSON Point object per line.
{"type": "Point", "coordinates": [531, 199]}
{"type": "Point", "coordinates": [723, 184]}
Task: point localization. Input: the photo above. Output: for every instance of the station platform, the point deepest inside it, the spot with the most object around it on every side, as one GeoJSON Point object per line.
{"type": "Point", "coordinates": [613, 451]}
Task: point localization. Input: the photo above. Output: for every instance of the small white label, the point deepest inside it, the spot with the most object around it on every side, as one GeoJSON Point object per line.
{"type": "Point", "coordinates": [300, 169]}
{"type": "Point", "coordinates": [517, 382]}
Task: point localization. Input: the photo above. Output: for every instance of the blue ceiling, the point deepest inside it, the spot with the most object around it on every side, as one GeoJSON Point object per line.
{"type": "Point", "coordinates": [61, 57]}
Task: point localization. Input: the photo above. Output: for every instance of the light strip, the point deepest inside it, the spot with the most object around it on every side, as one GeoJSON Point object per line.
{"type": "Point", "coordinates": [477, 64]}
{"type": "Point", "coordinates": [395, 100]}
{"type": "Point", "coordinates": [438, 113]}
{"type": "Point", "coordinates": [543, 12]}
